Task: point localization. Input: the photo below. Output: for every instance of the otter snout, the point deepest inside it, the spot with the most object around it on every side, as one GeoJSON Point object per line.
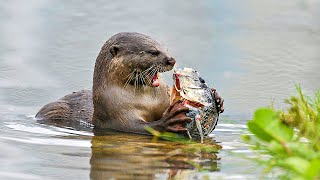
{"type": "Point", "coordinates": [171, 61]}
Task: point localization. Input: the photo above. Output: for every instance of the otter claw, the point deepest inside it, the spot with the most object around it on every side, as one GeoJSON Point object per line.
{"type": "Point", "coordinates": [179, 121]}
{"type": "Point", "coordinates": [171, 107]}
{"type": "Point", "coordinates": [177, 124]}
{"type": "Point", "coordinates": [219, 100]}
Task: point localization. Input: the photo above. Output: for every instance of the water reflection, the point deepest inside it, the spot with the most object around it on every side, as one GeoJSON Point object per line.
{"type": "Point", "coordinates": [127, 156]}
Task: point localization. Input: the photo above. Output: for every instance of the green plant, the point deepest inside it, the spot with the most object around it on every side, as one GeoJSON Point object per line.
{"type": "Point", "coordinates": [288, 140]}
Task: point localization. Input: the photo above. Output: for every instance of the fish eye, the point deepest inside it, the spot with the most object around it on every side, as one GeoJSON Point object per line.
{"type": "Point", "coordinates": [202, 80]}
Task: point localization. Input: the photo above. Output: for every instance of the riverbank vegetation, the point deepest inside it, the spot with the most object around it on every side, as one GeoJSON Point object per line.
{"type": "Point", "coordinates": [287, 142]}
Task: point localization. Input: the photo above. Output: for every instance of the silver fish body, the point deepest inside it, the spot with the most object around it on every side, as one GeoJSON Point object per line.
{"type": "Point", "coordinates": [198, 97]}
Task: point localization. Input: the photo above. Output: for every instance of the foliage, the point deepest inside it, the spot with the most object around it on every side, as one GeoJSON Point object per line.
{"type": "Point", "coordinates": [288, 140]}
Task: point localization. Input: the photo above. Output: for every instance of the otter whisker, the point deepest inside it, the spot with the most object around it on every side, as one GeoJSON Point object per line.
{"type": "Point", "coordinates": [158, 69]}
{"type": "Point", "coordinates": [137, 79]}
{"type": "Point", "coordinates": [135, 84]}
{"type": "Point", "coordinates": [152, 72]}
{"type": "Point", "coordinates": [148, 69]}
{"type": "Point", "coordinates": [143, 81]}
{"type": "Point", "coordinates": [147, 74]}
{"type": "Point", "coordinates": [138, 82]}
{"type": "Point", "coordinates": [128, 81]}
{"type": "Point", "coordinates": [131, 73]}
{"type": "Point", "coordinates": [130, 78]}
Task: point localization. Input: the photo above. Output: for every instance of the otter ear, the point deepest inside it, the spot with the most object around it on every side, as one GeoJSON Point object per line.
{"type": "Point", "coordinates": [114, 49]}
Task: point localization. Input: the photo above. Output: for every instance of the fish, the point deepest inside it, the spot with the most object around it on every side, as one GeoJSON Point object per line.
{"type": "Point", "coordinates": [193, 91]}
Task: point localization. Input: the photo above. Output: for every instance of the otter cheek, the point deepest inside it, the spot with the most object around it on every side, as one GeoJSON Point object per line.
{"type": "Point", "coordinates": [155, 80]}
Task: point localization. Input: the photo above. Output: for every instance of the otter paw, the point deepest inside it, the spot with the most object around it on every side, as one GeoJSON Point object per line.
{"type": "Point", "coordinates": [174, 119]}
{"type": "Point", "coordinates": [176, 125]}
{"type": "Point", "coordinates": [219, 100]}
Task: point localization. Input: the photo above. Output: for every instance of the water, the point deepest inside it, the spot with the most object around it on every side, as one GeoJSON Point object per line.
{"type": "Point", "coordinates": [252, 52]}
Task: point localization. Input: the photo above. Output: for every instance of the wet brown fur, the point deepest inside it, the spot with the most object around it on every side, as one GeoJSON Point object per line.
{"type": "Point", "coordinates": [113, 104]}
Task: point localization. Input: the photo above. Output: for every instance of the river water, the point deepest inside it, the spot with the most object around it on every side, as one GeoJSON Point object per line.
{"type": "Point", "coordinates": [253, 52]}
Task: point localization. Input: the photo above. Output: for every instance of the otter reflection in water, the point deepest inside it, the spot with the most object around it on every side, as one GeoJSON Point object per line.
{"type": "Point", "coordinates": [127, 156]}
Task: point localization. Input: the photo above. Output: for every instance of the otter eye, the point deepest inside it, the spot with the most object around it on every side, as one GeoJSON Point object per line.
{"type": "Point", "coordinates": [154, 52]}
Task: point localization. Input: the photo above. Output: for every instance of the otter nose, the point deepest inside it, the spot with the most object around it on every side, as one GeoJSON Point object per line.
{"type": "Point", "coordinates": [171, 61]}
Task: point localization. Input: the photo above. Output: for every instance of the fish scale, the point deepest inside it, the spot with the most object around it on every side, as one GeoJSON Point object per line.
{"type": "Point", "coordinates": [198, 97]}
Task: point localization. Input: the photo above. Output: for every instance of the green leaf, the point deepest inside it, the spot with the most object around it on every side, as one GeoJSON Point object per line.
{"type": "Point", "coordinates": [298, 165]}
{"type": "Point", "coordinates": [258, 131]}
{"type": "Point", "coordinates": [276, 148]}
{"type": "Point", "coordinates": [263, 117]}
{"type": "Point", "coordinates": [314, 168]}
{"type": "Point", "coordinates": [266, 125]}
{"type": "Point", "coordinates": [279, 131]}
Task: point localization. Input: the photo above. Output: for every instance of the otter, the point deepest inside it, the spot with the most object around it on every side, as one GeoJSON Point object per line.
{"type": "Point", "coordinates": [127, 93]}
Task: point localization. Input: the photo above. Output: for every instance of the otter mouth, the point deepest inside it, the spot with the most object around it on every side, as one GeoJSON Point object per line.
{"type": "Point", "coordinates": [148, 77]}
{"type": "Point", "coordinates": [154, 77]}
{"type": "Point", "coordinates": [155, 80]}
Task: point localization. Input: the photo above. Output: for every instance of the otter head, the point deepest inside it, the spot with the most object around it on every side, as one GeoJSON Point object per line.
{"type": "Point", "coordinates": [134, 59]}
